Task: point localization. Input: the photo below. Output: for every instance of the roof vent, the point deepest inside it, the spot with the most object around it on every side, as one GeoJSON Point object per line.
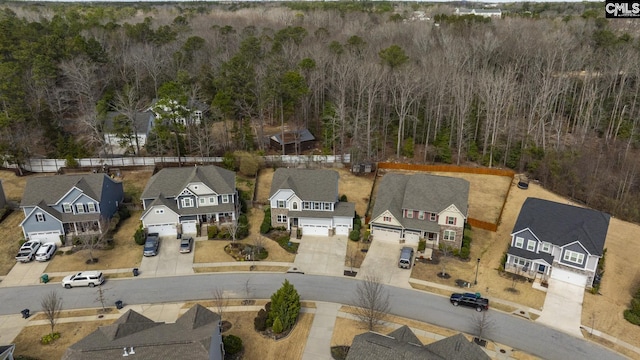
{"type": "Point", "coordinates": [125, 352]}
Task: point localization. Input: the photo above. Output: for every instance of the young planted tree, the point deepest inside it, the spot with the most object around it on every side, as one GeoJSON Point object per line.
{"type": "Point", "coordinates": [101, 298]}
{"type": "Point", "coordinates": [482, 325]}
{"type": "Point", "coordinates": [51, 306]}
{"type": "Point", "coordinates": [371, 301]}
{"type": "Point", "coordinates": [220, 300]}
{"type": "Point", "coordinates": [285, 308]}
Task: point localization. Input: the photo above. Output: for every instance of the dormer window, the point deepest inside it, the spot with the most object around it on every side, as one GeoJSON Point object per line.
{"type": "Point", "coordinates": [225, 199]}
{"type": "Point", "coordinates": [421, 215]}
{"type": "Point", "coordinates": [281, 204]}
{"type": "Point", "coordinates": [451, 220]}
{"type": "Point", "coordinates": [39, 217]}
{"type": "Point", "coordinates": [574, 257]}
{"type": "Point", "coordinates": [187, 202]}
{"type": "Point", "coordinates": [294, 206]}
{"type": "Point", "coordinates": [433, 217]}
{"type": "Point", "coordinates": [80, 208]}
{"type": "Point", "coordinates": [91, 207]}
{"type": "Point", "coordinates": [386, 219]}
{"type": "Point", "coordinates": [519, 242]}
{"type": "Point", "coordinates": [409, 214]}
{"type": "Point", "coordinates": [531, 245]}
{"type": "Point", "coordinates": [546, 247]}
{"type": "Point", "coordinates": [67, 208]}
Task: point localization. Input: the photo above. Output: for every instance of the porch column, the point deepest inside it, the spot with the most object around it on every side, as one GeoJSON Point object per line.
{"type": "Point", "coordinates": [75, 229]}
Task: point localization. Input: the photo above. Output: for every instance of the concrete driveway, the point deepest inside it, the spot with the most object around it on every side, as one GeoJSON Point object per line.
{"type": "Point", "coordinates": [24, 274]}
{"type": "Point", "coordinates": [322, 255]}
{"type": "Point", "coordinates": [169, 261]}
{"type": "Point", "coordinates": [563, 307]}
{"type": "Point", "coordinates": [382, 261]}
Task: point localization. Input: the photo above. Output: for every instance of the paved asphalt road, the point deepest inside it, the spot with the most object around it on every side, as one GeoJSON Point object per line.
{"type": "Point", "coordinates": [506, 329]}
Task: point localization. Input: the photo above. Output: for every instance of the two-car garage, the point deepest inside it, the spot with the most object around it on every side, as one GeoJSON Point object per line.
{"type": "Point", "coordinates": [390, 235]}
{"type": "Point", "coordinates": [163, 229]}
{"type": "Point", "coordinates": [569, 277]}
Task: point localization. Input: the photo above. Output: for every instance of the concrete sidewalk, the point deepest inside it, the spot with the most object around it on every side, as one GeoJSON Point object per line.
{"type": "Point", "coordinates": [318, 346]}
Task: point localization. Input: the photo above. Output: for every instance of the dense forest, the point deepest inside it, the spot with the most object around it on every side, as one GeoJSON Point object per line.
{"type": "Point", "coordinates": [550, 90]}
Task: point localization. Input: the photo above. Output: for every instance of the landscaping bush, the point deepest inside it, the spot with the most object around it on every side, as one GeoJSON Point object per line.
{"type": "Point", "coordinates": [464, 252]}
{"type": "Point", "coordinates": [422, 245]}
{"type": "Point", "coordinates": [343, 198]}
{"type": "Point", "coordinates": [139, 236]}
{"type": "Point", "coordinates": [277, 326]}
{"type": "Point", "coordinates": [285, 308]}
{"type": "Point", "coordinates": [631, 317]}
{"type": "Point", "coordinates": [354, 235]}
{"type": "Point", "coordinates": [49, 338]}
{"type": "Point", "coordinates": [212, 231]}
{"type": "Point", "coordinates": [124, 213]}
{"type": "Point", "coordinates": [260, 321]}
{"type": "Point", "coordinates": [285, 243]}
{"type": "Point", "coordinates": [232, 344]}
{"type": "Point", "coordinates": [265, 227]}
{"type": "Point", "coordinates": [357, 223]}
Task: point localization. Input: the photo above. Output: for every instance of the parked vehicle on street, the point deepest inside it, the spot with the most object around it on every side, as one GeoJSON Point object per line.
{"type": "Point", "coordinates": [46, 251]}
{"type": "Point", "coordinates": [186, 245]}
{"type": "Point", "coordinates": [470, 300]}
{"type": "Point", "coordinates": [28, 251]}
{"type": "Point", "coordinates": [85, 278]}
{"type": "Point", "coordinates": [151, 245]}
{"type": "Point", "coordinates": [406, 257]}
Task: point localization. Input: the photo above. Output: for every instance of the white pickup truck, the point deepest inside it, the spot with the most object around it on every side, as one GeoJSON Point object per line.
{"type": "Point", "coordinates": [28, 251]}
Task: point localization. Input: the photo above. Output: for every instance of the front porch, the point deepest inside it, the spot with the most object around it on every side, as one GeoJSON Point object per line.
{"type": "Point", "coordinates": [80, 229]}
{"type": "Point", "coordinates": [533, 271]}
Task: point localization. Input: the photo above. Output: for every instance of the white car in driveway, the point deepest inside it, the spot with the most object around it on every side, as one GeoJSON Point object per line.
{"type": "Point", "coordinates": [85, 278]}
{"type": "Point", "coordinates": [46, 251]}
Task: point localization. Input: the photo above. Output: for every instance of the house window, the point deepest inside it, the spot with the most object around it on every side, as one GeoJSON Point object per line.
{"type": "Point", "coordinates": [421, 215]}
{"type": "Point", "coordinates": [80, 208]}
{"type": "Point", "coordinates": [327, 206]}
{"type": "Point", "coordinates": [282, 218]}
{"type": "Point", "coordinates": [386, 219]}
{"type": "Point", "coordinates": [531, 245]}
{"type": "Point", "coordinates": [281, 204]}
{"type": "Point", "coordinates": [519, 242]}
{"type": "Point", "coordinates": [212, 200]}
{"type": "Point", "coordinates": [159, 211]}
{"type": "Point", "coordinates": [546, 247]}
{"type": "Point", "coordinates": [39, 217]}
{"type": "Point", "coordinates": [195, 187]}
{"type": "Point", "coordinates": [225, 199]}
{"type": "Point", "coordinates": [410, 214]}
{"type": "Point", "coordinates": [574, 257]}
{"type": "Point", "coordinates": [450, 235]}
{"type": "Point", "coordinates": [67, 208]}
{"type": "Point", "coordinates": [451, 220]}
{"type": "Point", "coordinates": [317, 206]}
{"type": "Point", "coordinates": [520, 261]}
{"type": "Point", "coordinates": [202, 201]}
{"type": "Point", "coordinates": [306, 205]}
{"type": "Point", "coordinates": [187, 202]}
{"type": "Point", "coordinates": [91, 207]}
{"type": "Point", "coordinates": [294, 206]}
{"type": "Point", "coordinates": [433, 217]}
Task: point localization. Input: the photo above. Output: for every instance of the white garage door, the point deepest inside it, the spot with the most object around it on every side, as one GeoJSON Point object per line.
{"type": "Point", "coordinates": [189, 227]}
{"type": "Point", "coordinates": [163, 229]}
{"type": "Point", "coordinates": [569, 276]}
{"type": "Point", "coordinates": [411, 238]}
{"type": "Point", "coordinates": [386, 235]}
{"type": "Point", "coordinates": [315, 230]}
{"type": "Point", "coordinates": [342, 229]}
{"type": "Point", "coordinates": [45, 236]}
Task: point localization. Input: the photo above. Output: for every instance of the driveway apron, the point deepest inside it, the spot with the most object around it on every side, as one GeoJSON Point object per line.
{"type": "Point", "coordinates": [168, 262]}
{"type": "Point", "coordinates": [24, 274]}
{"type": "Point", "coordinates": [563, 307]}
{"type": "Point", "coordinates": [381, 262]}
{"type": "Point", "coordinates": [322, 255]}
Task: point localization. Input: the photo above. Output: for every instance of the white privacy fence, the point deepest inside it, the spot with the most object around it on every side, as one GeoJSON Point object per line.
{"type": "Point", "coordinates": [54, 165]}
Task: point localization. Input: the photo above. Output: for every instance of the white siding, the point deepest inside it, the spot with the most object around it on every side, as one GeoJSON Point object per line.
{"type": "Point", "coordinates": [282, 194]}
{"type": "Point", "coordinates": [451, 211]}
{"type": "Point", "coordinates": [380, 219]}
{"type": "Point", "coordinates": [199, 188]}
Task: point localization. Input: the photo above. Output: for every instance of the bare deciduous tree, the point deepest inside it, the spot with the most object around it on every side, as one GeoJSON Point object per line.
{"type": "Point", "coordinates": [51, 306]}
{"type": "Point", "coordinates": [101, 298]}
{"type": "Point", "coordinates": [221, 301]}
{"type": "Point", "coordinates": [371, 301]}
{"type": "Point", "coordinates": [482, 325]}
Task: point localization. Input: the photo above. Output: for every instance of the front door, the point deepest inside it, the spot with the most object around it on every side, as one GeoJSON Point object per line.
{"type": "Point", "coordinates": [541, 268]}
{"type": "Point", "coordinates": [295, 222]}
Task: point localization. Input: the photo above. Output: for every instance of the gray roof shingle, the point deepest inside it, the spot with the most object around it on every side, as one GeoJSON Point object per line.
{"type": "Point", "coordinates": [141, 121]}
{"type": "Point", "coordinates": [188, 338]}
{"type": "Point", "coordinates": [562, 224]}
{"type": "Point", "coordinates": [420, 192]}
{"type": "Point", "coordinates": [51, 188]}
{"type": "Point", "coordinates": [308, 184]}
{"type": "Point", "coordinates": [171, 181]}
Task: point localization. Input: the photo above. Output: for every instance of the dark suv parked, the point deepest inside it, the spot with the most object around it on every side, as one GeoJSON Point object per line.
{"type": "Point", "coordinates": [470, 300]}
{"type": "Point", "coordinates": [151, 245]}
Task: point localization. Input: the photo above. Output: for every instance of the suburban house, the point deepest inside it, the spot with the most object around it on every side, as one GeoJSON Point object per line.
{"type": "Point", "coordinates": [403, 344]}
{"type": "Point", "coordinates": [194, 110]}
{"type": "Point", "coordinates": [294, 141]}
{"type": "Point", "coordinates": [420, 206]}
{"type": "Point", "coordinates": [488, 13]}
{"type": "Point", "coordinates": [60, 207]}
{"type": "Point", "coordinates": [308, 199]}
{"type": "Point", "coordinates": [139, 129]}
{"type": "Point", "coordinates": [6, 352]}
{"type": "Point", "coordinates": [178, 200]}
{"type": "Point", "coordinates": [195, 335]}
{"type": "Point", "coordinates": [559, 241]}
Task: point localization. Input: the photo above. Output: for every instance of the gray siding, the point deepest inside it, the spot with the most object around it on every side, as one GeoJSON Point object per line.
{"type": "Point", "coordinates": [70, 198]}
{"type": "Point", "coordinates": [526, 235]}
{"type": "Point", "coordinates": [576, 248]}
{"type": "Point", "coordinates": [50, 223]}
{"type": "Point", "coordinates": [112, 195]}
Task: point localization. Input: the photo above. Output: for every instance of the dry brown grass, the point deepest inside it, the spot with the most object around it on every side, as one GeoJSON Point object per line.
{"type": "Point", "coordinates": [608, 344]}
{"type": "Point", "coordinates": [9, 242]}
{"type": "Point", "coordinates": [13, 185]}
{"type": "Point", "coordinates": [263, 186]}
{"type": "Point", "coordinates": [134, 182]}
{"type": "Point", "coordinates": [125, 253]}
{"type": "Point", "coordinates": [266, 268]}
{"type": "Point", "coordinates": [355, 256]}
{"type": "Point", "coordinates": [76, 313]}
{"type": "Point", "coordinates": [28, 341]}
{"type": "Point", "coordinates": [259, 347]}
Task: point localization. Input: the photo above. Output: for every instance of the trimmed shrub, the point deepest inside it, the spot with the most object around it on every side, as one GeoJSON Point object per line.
{"type": "Point", "coordinates": [139, 236]}
{"type": "Point", "coordinates": [232, 344]}
{"type": "Point", "coordinates": [354, 235]}
{"type": "Point", "coordinates": [343, 198]}
{"type": "Point", "coordinates": [277, 326]}
{"type": "Point", "coordinates": [464, 252]}
{"type": "Point", "coordinates": [422, 245]}
{"type": "Point", "coordinates": [212, 231]}
{"type": "Point", "coordinates": [631, 317]}
{"type": "Point", "coordinates": [124, 213]}
{"type": "Point", "coordinates": [49, 338]}
{"type": "Point", "coordinates": [260, 321]}
{"type": "Point", "coordinates": [265, 227]}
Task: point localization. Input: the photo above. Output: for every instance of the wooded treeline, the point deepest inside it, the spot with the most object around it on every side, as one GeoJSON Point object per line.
{"type": "Point", "coordinates": [556, 97]}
